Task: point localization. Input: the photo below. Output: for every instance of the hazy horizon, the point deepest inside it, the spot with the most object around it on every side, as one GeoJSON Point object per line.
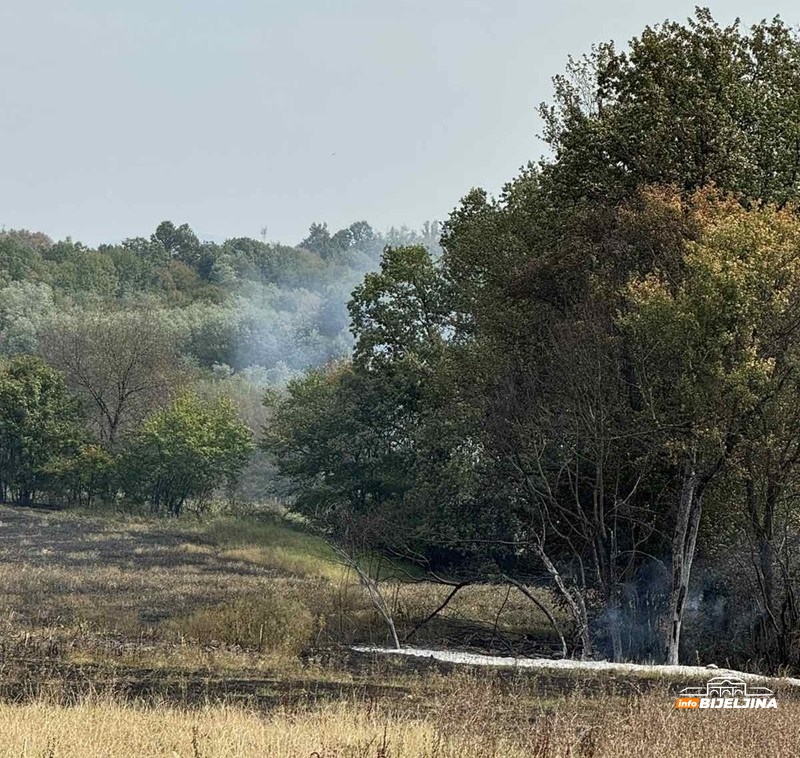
{"type": "Point", "coordinates": [233, 117]}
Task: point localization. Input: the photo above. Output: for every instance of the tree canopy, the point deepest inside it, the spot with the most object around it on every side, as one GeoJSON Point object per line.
{"type": "Point", "coordinates": [586, 375]}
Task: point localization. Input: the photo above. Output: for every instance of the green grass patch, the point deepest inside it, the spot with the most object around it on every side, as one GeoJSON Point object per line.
{"type": "Point", "coordinates": [274, 544]}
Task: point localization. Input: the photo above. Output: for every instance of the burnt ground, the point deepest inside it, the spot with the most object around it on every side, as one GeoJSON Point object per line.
{"type": "Point", "coordinates": [92, 606]}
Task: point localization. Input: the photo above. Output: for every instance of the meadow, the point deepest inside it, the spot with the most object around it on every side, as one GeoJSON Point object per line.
{"type": "Point", "coordinates": [224, 636]}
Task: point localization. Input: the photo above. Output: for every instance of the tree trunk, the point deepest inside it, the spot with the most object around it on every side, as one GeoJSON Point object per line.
{"type": "Point", "coordinates": [684, 541]}
{"type": "Point", "coordinates": [575, 602]}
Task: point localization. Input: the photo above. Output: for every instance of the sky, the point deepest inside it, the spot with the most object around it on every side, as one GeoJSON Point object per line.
{"type": "Point", "coordinates": [235, 115]}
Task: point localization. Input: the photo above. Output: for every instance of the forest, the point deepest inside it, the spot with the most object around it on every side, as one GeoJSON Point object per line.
{"type": "Point", "coordinates": [588, 383]}
{"type": "Point", "coordinates": [134, 372]}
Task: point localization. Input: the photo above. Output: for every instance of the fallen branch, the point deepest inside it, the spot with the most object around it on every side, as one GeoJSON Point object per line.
{"type": "Point", "coordinates": [543, 608]}
{"type": "Point", "coordinates": [438, 610]}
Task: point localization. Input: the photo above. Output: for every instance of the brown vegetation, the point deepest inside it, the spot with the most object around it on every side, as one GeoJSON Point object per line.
{"type": "Point", "coordinates": [122, 636]}
{"type": "Point", "coordinates": [471, 718]}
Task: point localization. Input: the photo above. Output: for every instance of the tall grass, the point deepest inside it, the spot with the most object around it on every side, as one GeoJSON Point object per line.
{"type": "Point", "coordinates": [469, 722]}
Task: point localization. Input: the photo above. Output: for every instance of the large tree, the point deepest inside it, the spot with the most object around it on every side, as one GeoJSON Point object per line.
{"type": "Point", "coordinates": [125, 364]}
{"type": "Point", "coordinates": [685, 104]}
{"type": "Point", "coordinates": [711, 346]}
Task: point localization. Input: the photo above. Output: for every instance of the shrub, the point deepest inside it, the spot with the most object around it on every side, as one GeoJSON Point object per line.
{"type": "Point", "coordinates": [270, 623]}
{"type": "Point", "coordinates": [184, 452]}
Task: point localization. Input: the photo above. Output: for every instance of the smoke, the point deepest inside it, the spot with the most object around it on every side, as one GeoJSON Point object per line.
{"type": "Point", "coordinates": [277, 331]}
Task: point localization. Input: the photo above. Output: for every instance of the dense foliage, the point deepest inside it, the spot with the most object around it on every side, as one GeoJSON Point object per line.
{"type": "Point", "coordinates": [185, 452]}
{"type": "Point", "coordinates": [153, 355]}
{"type": "Point", "coordinates": [39, 426]}
{"type": "Point", "coordinates": [592, 384]}
{"type": "Point", "coordinates": [595, 385]}
{"type": "Point", "coordinates": [241, 304]}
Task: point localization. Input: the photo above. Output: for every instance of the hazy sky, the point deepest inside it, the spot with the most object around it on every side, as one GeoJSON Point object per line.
{"type": "Point", "coordinates": [232, 115]}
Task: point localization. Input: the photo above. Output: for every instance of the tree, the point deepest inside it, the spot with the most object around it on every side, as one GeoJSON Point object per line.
{"type": "Point", "coordinates": [25, 308]}
{"type": "Point", "coordinates": [180, 242]}
{"type": "Point", "coordinates": [20, 256]}
{"type": "Point", "coordinates": [85, 273]}
{"type": "Point", "coordinates": [361, 233]}
{"type": "Point", "coordinates": [343, 433]}
{"type": "Point", "coordinates": [185, 452]}
{"type": "Point", "coordinates": [319, 241]}
{"type": "Point", "coordinates": [763, 485]}
{"type": "Point", "coordinates": [685, 105]}
{"type": "Point", "coordinates": [399, 312]}
{"type": "Point", "coordinates": [86, 475]}
{"type": "Point", "coordinates": [562, 432]}
{"type": "Point", "coordinates": [329, 435]}
{"type": "Point", "coordinates": [125, 365]}
{"type": "Point", "coordinates": [150, 251]}
{"type": "Point", "coordinates": [711, 349]}
{"type": "Point", "coordinates": [40, 424]}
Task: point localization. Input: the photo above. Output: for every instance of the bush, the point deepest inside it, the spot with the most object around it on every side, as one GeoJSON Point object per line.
{"type": "Point", "coordinates": [184, 452]}
{"type": "Point", "coordinates": [270, 623]}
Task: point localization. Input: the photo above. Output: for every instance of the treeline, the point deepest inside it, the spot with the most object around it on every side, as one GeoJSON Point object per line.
{"type": "Point", "coordinates": [596, 386]}
{"type": "Point", "coordinates": [135, 434]}
{"type": "Point", "coordinates": [134, 373]}
{"type": "Point", "coordinates": [243, 304]}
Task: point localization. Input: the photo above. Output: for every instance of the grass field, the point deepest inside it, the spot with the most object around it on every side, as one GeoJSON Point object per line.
{"type": "Point", "coordinates": [123, 587]}
{"type": "Point", "coordinates": [464, 716]}
{"type": "Point", "coordinates": [135, 637]}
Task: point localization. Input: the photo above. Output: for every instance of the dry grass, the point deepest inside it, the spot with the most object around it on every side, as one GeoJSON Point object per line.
{"type": "Point", "coordinates": [472, 720]}
{"type": "Point", "coordinates": [125, 636]}
{"type": "Point", "coordinates": [271, 623]}
{"type": "Point", "coordinates": [123, 580]}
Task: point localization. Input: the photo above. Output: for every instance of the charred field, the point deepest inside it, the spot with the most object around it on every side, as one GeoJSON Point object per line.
{"type": "Point", "coordinates": [219, 637]}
